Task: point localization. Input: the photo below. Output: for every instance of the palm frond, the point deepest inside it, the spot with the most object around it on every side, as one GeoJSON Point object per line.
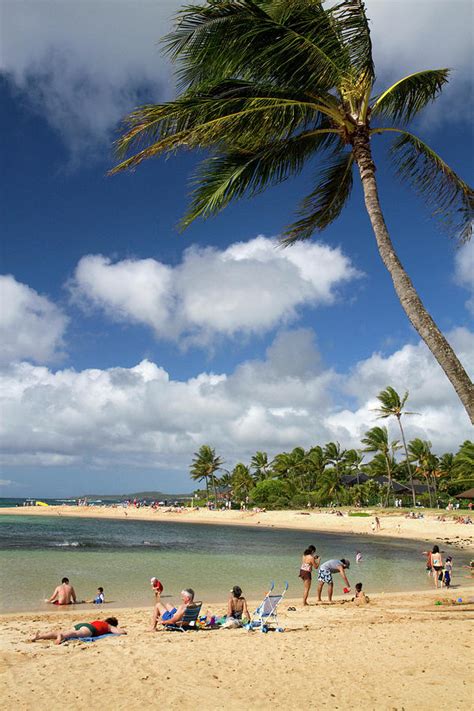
{"type": "Point", "coordinates": [408, 96]}
{"type": "Point", "coordinates": [292, 45]}
{"type": "Point", "coordinates": [452, 199]}
{"type": "Point", "coordinates": [227, 177]}
{"type": "Point", "coordinates": [351, 23]}
{"type": "Point", "coordinates": [325, 203]}
{"type": "Point", "coordinates": [208, 120]}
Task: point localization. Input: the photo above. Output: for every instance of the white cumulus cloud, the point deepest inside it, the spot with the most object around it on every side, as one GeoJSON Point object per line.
{"type": "Point", "coordinates": [31, 326]}
{"type": "Point", "coordinates": [141, 416]}
{"type": "Point", "coordinates": [247, 288]}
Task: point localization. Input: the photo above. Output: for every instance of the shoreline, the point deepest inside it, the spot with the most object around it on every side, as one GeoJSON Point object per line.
{"type": "Point", "coordinates": [350, 648]}
{"type": "Point", "coordinates": [394, 525]}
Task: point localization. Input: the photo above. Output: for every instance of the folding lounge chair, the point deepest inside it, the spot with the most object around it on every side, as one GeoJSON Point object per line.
{"type": "Point", "coordinates": [265, 616]}
{"type": "Point", "coordinates": [189, 619]}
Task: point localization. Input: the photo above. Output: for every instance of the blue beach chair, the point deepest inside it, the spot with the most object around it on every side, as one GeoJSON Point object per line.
{"type": "Point", "coordinates": [189, 620]}
{"type": "Point", "coordinates": [265, 617]}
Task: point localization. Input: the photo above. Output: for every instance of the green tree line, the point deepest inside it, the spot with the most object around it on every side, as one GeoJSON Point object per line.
{"type": "Point", "coordinates": [321, 474]}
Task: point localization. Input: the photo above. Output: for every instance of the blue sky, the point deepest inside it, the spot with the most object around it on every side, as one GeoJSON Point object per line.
{"type": "Point", "coordinates": [128, 345]}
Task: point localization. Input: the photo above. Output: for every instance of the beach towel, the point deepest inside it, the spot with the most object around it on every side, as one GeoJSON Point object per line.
{"type": "Point", "coordinates": [94, 639]}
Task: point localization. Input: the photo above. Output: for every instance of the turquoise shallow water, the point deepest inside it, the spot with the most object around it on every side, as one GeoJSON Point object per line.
{"type": "Point", "coordinates": [121, 556]}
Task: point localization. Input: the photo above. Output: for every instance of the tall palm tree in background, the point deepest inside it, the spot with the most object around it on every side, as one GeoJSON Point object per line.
{"type": "Point", "coordinates": [267, 86]}
{"type": "Point", "coordinates": [242, 481]}
{"type": "Point", "coordinates": [334, 455]}
{"type": "Point", "coordinates": [260, 465]}
{"type": "Point", "coordinates": [420, 452]}
{"type": "Point", "coordinates": [464, 463]}
{"type": "Point", "coordinates": [376, 441]}
{"type": "Point", "coordinates": [391, 405]}
{"type": "Point", "coordinates": [204, 467]}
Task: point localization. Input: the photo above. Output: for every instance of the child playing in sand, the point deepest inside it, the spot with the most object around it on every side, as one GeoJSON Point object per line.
{"type": "Point", "coordinates": [360, 596]}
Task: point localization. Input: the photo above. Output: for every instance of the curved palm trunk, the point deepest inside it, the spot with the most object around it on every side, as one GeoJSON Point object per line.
{"type": "Point", "coordinates": [409, 299]}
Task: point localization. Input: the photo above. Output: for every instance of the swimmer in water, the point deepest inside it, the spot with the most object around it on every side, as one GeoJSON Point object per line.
{"type": "Point", "coordinates": [358, 557]}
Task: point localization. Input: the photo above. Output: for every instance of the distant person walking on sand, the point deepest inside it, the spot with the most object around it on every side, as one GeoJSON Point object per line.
{"type": "Point", "coordinates": [377, 523]}
{"type": "Point", "coordinates": [64, 594]}
{"type": "Point", "coordinates": [325, 574]}
{"type": "Point", "coordinates": [157, 586]}
{"type": "Point", "coordinates": [82, 629]}
{"type": "Point", "coordinates": [309, 561]}
{"type": "Point", "coordinates": [171, 615]}
{"type": "Point", "coordinates": [437, 566]}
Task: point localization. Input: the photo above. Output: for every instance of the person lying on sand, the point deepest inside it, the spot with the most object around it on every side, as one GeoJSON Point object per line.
{"type": "Point", "coordinates": [64, 594]}
{"type": "Point", "coordinates": [82, 629]}
{"type": "Point", "coordinates": [171, 615]}
{"type": "Point", "coordinates": [360, 597]}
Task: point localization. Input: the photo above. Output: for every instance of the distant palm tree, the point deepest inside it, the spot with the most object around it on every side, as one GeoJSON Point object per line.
{"type": "Point", "coordinates": [420, 452]}
{"type": "Point", "coordinates": [260, 464]}
{"type": "Point", "coordinates": [464, 463]}
{"type": "Point", "coordinates": [204, 466]}
{"type": "Point", "coordinates": [291, 466]}
{"type": "Point", "coordinates": [334, 455]}
{"type": "Point", "coordinates": [391, 405]}
{"type": "Point", "coordinates": [269, 85]}
{"type": "Point", "coordinates": [352, 462]}
{"type": "Point", "coordinates": [376, 441]}
{"type": "Point", "coordinates": [315, 463]}
{"type": "Point", "coordinates": [242, 481]}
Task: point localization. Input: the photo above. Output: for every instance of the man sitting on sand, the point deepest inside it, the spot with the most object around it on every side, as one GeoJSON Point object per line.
{"type": "Point", "coordinates": [83, 629]}
{"type": "Point", "coordinates": [171, 615]}
{"type": "Point", "coordinates": [64, 594]}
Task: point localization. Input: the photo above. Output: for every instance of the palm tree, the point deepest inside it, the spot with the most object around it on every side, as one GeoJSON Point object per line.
{"type": "Point", "coordinates": [242, 481]}
{"type": "Point", "coordinates": [464, 463]}
{"type": "Point", "coordinates": [334, 455]}
{"type": "Point", "coordinates": [204, 466]}
{"type": "Point", "coordinates": [420, 452]}
{"type": "Point", "coordinates": [376, 441]}
{"type": "Point", "coordinates": [391, 405]}
{"type": "Point", "coordinates": [260, 464]}
{"type": "Point", "coordinates": [291, 466]}
{"type": "Point", "coordinates": [267, 85]}
{"type": "Point", "coordinates": [315, 463]}
{"type": "Point", "coordinates": [353, 461]}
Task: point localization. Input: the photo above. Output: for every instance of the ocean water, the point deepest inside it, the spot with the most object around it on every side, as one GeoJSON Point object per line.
{"type": "Point", "coordinates": [121, 556]}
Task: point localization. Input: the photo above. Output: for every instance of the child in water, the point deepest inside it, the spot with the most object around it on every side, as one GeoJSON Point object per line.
{"type": "Point", "coordinates": [100, 597]}
{"type": "Point", "coordinates": [448, 571]}
{"type": "Point", "coordinates": [360, 596]}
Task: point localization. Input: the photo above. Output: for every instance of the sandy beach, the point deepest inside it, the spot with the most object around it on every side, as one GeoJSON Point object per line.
{"type": "Point", "coordinates": [399, 652]}
{"type": "Point", "coordinates": [393, 525]}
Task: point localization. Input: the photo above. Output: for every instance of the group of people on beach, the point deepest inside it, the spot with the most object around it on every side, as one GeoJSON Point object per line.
{"type": "Point", "coordinates": [64, 594]}
{"type": "Point", "coordinates": [311, 561]}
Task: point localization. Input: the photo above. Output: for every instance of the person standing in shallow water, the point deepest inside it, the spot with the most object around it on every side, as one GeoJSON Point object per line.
{"type": "Point", "coordinates": [309, 561]}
